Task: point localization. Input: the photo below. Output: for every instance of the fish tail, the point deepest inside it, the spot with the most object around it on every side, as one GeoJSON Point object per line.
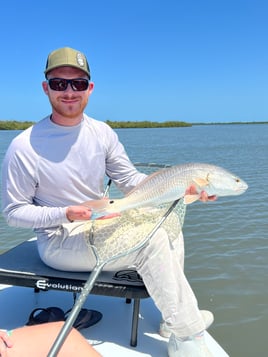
{"type": "Point", "coordinates": [96, 215]}
{"type": "Point", "coordinates": [97, 205]}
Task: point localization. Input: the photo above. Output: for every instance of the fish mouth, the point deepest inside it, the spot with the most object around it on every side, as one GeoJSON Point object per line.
{"type": "Point", "coordinates": [242, 188]}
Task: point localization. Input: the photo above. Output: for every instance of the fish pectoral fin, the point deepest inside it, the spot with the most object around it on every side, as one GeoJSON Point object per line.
{"type": "Point", "coordinates": [190, 199]}
{"type": "Point", "coordinates": [201, 182]}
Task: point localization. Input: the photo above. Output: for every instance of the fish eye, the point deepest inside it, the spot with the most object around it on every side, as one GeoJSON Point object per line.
{"type": "Point", "coordinates": [236, 179]}
{"type": "Point", "coordinates": [111, 201]}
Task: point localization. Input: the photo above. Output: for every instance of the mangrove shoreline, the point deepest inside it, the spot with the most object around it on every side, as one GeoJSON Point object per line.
{"type": "Point", "coordinates": [22, 125]}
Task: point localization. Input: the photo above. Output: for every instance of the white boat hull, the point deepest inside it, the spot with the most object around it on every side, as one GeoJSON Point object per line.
{"type": "Point", "coordinates": [111, 336]}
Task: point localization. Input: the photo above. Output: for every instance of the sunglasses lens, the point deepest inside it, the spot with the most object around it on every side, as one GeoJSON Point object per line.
{"type": "Point", "coordinates": [58, 84]}
{"type": "Point", "coordinates": [79, 84]}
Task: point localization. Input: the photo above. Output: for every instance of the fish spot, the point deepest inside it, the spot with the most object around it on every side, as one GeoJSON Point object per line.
{"type": "Point", "coordinates": [111, 201]}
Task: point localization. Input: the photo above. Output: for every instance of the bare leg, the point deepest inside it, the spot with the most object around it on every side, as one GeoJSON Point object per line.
{"type": "Point", "coordinates": [36, 341]}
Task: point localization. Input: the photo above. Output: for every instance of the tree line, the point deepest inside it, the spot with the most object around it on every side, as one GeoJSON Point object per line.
{"type": "Point", "coordinates": [14, 125]}
{"type": "Point", "coordinates": [22, 125]}
{"type": "Point", "coordinates": [145, 124]}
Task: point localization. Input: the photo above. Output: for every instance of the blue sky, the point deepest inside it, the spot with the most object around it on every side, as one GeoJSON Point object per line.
{"type": "Point", "coordinates": [157, 60]}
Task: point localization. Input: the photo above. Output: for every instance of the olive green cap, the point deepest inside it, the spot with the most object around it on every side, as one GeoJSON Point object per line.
{"type": "Point", "coordinates": [67, 56]}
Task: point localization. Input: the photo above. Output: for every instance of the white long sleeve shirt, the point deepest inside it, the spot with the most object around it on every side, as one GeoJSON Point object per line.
{"type": "Point", "coordinates": [49, 167]}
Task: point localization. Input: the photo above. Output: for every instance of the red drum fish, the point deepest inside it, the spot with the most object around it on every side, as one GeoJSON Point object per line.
{"type": "Point", "coordinates": [169, 184]}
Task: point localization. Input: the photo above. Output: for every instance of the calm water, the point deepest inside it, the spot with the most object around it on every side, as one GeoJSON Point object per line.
{"type": "Point", "coordinates": [227, 240]}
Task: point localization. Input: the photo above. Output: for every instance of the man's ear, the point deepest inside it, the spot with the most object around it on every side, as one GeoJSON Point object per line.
{"type": "Point", "coordinates": [45, 86]}
{"type": "Point", "coordinates": [91, 87]}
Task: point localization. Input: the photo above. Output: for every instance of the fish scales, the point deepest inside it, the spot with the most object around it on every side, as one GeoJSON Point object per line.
{"type": "Point", "coordinates": [162, 185]}
{"type": "Point", "coordinates": [171, 183]}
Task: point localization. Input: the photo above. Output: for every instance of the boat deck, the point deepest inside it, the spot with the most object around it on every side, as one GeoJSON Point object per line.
{"type": "Point", "coordinates": [111, 336]}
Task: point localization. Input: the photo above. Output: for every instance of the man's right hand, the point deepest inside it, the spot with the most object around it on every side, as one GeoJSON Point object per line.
{"type": "Point", "coordinates": [78, 213]}
{"type": "Point", "coordinates": [83, 213]}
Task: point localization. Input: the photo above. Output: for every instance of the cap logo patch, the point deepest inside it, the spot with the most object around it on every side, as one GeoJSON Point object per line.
{"type": "Point", "coordinates": [80, 60]}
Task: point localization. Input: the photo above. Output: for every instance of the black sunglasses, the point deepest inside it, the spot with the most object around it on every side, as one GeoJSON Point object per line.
{"type": "Point", "coordinates": [61, 84]}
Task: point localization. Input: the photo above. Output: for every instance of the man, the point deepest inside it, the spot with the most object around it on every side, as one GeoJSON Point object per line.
{"type": "Point", "coordinates": [61, 161]}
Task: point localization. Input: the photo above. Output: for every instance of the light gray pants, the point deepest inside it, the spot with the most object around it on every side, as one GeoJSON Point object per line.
{"type": "Point", "coordinates": [160, 264]}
